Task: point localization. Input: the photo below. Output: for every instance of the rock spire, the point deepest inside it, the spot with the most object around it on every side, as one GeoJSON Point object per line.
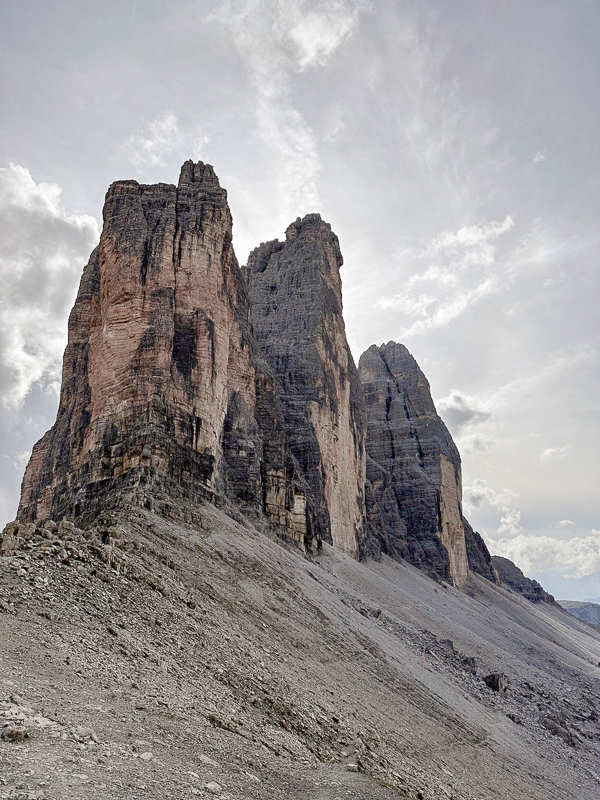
{"type": "Point", "coordinates": [413, 467]}
{"type": "Point", "coordinates": [296, 301]}
{"type": "Point", "coordinates": [163, 385]}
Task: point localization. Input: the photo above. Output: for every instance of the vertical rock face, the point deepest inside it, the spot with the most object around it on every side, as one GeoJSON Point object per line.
{"type": "Point", "coordinates": [414, 491]}
{"type": "Point", "coordinates": [295, 292]}
{"type": "Point", "coordinates": [163, 383]}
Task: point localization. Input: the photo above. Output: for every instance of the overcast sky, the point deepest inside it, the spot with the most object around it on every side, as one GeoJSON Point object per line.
{"type": "Point", "coordinates": [453, 147]}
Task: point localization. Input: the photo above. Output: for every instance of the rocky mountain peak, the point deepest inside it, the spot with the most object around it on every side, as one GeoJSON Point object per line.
{"type": "Point", "coordinates": [296, 301]}
{"type": "Point", "coordinates": [165, 393]}
{"type": "Point", "coordinates": [413, 467]}
{"type": "Point", "coordinates": [193, 175]}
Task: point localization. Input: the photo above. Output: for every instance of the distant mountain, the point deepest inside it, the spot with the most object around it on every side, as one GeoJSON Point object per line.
{"type": "Point", "coordinates": [588, 612]}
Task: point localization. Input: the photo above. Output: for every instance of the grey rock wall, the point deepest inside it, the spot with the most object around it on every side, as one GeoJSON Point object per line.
{"type": "Point", "coordinates": [296, 302]}
{"type": "Point", "coordinates": [413, 467]}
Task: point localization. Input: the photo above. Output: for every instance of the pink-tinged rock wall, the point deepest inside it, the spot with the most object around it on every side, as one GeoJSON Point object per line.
{"type": "Point", "coordinates": [162, 381]}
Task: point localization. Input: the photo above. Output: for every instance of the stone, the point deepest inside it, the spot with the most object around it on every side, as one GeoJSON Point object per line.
{"type": "Point", "coordinates": [296, 301]}
{"type": "Point", "coordinates": [470, 664]}
{"type": "Point", "coordinates": [164, 387]}
{"type": "Point", "coordinates": [352, 767]}
{"type": "Point", "coordinates": [14, 733]}
{"type": "Point", "coordinates": [511, 576]}
{"type": "Point", "coordinates": [496, 681]}
{"type": "Point", "coordinates": [213, 788]}
{"type": "Point", "coordinates": [147, 756]}
{"type": "Point", "coordinates": [413, 468]}
{"type": "Point", "coordinates": [558, 726]}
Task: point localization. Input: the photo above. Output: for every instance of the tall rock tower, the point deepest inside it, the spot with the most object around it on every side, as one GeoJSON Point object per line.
{"type": "Point", "coordinates": [163, 384]}
{"type": "Point", "coordinates": [413, 467]}
{"type": "Point", "coordinates": [296, 301]}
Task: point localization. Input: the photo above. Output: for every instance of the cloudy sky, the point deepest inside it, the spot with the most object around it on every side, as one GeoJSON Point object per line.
{"type": "Point", "coordinates": [453, 146]}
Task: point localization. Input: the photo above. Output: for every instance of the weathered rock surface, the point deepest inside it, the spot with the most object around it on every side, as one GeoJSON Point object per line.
{"type": "Point", "coordinates": [480, 560]}
{"type": "Point", "coordinates": [513, 577]}
{"type": "Point", "coordinates": [414, 496]}
{"type": "Point", "coordinates": [296, 301]}
{"type": "Point", "coordinates": [163, 384]}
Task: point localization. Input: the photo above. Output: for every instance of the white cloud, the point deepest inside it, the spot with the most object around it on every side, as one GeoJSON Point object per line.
{"type": "Point", "coordinates": [42, 250]}
{"type": "Point", "coordinates": [460, 410]}
{"type": "Point", "coordinates": [157, 140]}
{"type": "Point", "coordinates": [564, 523]}
{"type": "Point", "coordinates": [552, 453]}
{"type": "Point", "coordinates": [510, 523]}
{"type": "Point", "coordinates": [478, 491]}
{"type": "Point", "coordinates": [316, 33]}
{"type": "Point", "coordinates": [463, 272]}
{"type": "Point", "coordinates": [539, 156]}
{"type": "Point", "coordinates": [571, 558]}
{"type": "Point", "coordinates": [276, 39]}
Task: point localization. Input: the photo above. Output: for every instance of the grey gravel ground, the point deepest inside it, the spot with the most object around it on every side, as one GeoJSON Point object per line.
{"type": "Point", "coordinates": [203, 659]}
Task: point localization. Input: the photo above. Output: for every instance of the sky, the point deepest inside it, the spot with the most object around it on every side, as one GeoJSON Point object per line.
{"type": "Point", "coordinates": [453, 147]}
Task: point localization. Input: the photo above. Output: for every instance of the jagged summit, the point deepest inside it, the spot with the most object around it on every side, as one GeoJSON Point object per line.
{"type": "Point", "coordinates": [164, 390]}
{"type": "Point", "coordinates": [185, 377]}
{"type": "Point", "coordinates": [296, 302]}
{"type": "Point", "coordinates": [193, 175]}
{"type": "Point", "coordinates": [413, 467]}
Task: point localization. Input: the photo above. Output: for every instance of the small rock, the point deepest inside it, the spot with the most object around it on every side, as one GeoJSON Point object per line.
{"type": "Point", "coordinates": [86, 733]}
{"type": "Point", "coordinates": [208, 761]}
{"type": "Point", "coordinates": [470, 664]}
{"type": "Point", "coordinates": [496, 681]}
{"type": "Point", "coordinates": [213, 787]}
{"type": "Point", "coordinates": [13, 733]}
{"type": "Point", "coordinates": [352, 767]}
{"type": "Point", "coordinates": [146, 756]}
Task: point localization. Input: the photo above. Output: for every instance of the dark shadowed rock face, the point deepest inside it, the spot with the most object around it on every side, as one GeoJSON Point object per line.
{"type": "Point", "coordinates": [414, 491]}
{"type": "Point", "coordinates": [480, 560]}
{"type": "Point", "coordinates": [296, 301]}
{"type": "Point", "coordinates": [163, 384]}
{"type": "Point", "coordinates": [511, 576]}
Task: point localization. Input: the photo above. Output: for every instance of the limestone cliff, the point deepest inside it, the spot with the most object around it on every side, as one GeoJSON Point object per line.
{"type": "Point", "coordinates": [296, 301]}
{"type": "Point", "coordinates": [163, 384]}
{"type": "Point", "coordinates": [414, 487]}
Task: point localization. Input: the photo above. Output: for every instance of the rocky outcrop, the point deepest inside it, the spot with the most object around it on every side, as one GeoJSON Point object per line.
{"type": "Point", "coordinates": [163, 384]}
{"type": "Point", "coordinates": [478, 556]}
{"type": "Point", "coordinates": [512, 576]}
{"type": "Point", "coordinates": [414, 492]}
{"type": "Point", "coordinates": [295, 292]}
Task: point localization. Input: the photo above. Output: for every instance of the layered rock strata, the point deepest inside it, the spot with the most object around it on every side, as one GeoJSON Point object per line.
{"type": "Point", "coordinates": [296, 301]}
{"type": "Point", "coordinates": [163, 384]}
{"type": "Point", "coordinates": [414, 490]}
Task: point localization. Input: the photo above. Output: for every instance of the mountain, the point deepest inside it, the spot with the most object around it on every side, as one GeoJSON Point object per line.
{"type": "Point", "coordinates": [513, 577]}
{"type": "Point", "coordinates": [588, 612]}
{"type": "Point", "coordinates": [296, 300]}
{"type": "Point", "coordinates": [414, 472]}
{"type": "Point", "coordinates": [165, 393]}
{"type": "Point", "coordinates": [240, 566]}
